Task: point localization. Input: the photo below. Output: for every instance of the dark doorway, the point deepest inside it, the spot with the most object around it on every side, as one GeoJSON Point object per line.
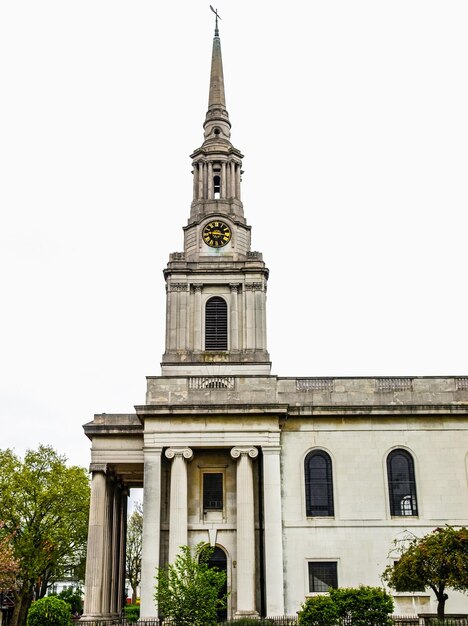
{"type": "Point", "coordinates": [218, 559]}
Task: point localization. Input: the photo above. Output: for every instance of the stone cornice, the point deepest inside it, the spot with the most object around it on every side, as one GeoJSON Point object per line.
{"type": "Point", "coordinates": [211, 409]}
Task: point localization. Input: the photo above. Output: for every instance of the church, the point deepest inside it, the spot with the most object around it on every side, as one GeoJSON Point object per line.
{"type": "Point", "coordinates": [299, 484]}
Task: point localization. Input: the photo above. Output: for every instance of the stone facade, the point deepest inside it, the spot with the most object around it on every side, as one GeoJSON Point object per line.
{"type": "Point", "coordinates": [300, 482]}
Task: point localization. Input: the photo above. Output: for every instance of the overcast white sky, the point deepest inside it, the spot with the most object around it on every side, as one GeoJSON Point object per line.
{"type": "Point", "coordinates": [352, 116]}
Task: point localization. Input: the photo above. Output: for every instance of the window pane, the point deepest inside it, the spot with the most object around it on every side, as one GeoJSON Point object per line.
{"type": "Point", "coordinates": [401, 483]}
{"type": "Point", "coordinates": [318, 484]}
{"type": "Point", "coordinates": [322, 575]}
{"type": "Point", "coordinates": [212, 492]}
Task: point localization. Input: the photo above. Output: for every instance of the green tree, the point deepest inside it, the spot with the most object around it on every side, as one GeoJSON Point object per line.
{"type": "Point", "coordinates": [134, 543]}
{"type": "Point", "coordinates": [44, 511]}
{"type": "Point", "coordinates": [50, 611]}
{"type": "Point", "coordinates": [188, 591]}
{"type": "Point", "coordinates": [438, 560]}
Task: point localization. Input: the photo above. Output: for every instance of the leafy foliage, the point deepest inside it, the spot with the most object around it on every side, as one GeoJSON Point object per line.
{"type": "Point", "coordinates": [8, 564]}
{"type": "Point", "coordinates": [134, 546]}
{"type": "Point", "coordinates": [318, 611]}
{"type": "Point", "coordinates": [74, 598]}
{"type": "Point", "coordinates": [50, 611]}
{"type": "Point", "coordinates": [44, 511]}
{"type": "Point", "coordinates": [132, 613]}
{"type": "Point", "coordinates": [364, 606]}
{"type": "Point", "coordinates": [438, 560]}
{"type": "Point", "coordinates": [189, 591]}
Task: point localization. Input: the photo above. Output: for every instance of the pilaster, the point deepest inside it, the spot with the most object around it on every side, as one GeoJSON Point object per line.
{"type": "Point", "coordinates": [245, 531]}
{"type": "Point", "coordinates": [273, 530]}
{"type": "Point", "coordinates": [151, 530]}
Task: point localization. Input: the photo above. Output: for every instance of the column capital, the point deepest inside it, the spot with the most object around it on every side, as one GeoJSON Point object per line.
{"type": "Point", "coordinates": [98, 467]}
{"type": "Point", "coordinates": [271, 449]}
{"type": "Point", "coordinates": [197, 287]}
{"type": "Point", "coordinates": [185, 453]}
{"type": "Point", "coordinates": [239, 451]}
{"type": "Point", "coordinates": [234, 287]}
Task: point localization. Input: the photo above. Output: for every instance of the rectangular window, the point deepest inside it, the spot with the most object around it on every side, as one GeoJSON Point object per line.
{"type": "Point", "coordinates": [212, 491]}
{"type": "Point", "coordinates": [322, 575]}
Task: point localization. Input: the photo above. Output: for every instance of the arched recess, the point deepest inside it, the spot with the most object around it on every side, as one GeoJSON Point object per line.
{"type": "Point", "coordinates": [218, 559]}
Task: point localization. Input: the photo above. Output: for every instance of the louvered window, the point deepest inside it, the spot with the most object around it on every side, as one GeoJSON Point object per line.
{"type": "Point", "coordinates": [318, 484]}
{"type": "Point", "coordinates": [212, 492]}
{"type": "Point", "coordinates": [216, 324]}
{"type": "Point", "coordinates": [401, 484]}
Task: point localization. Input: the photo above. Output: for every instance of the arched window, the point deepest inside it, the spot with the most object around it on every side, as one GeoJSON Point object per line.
{"type": "Point", "coordinates": [216, 324]}
{"type": "Point", "coordinates": [318, 484]}
{"type": "Point", "coordinates": [217, 186]}
{"type": "Point", "coordinates": [401, 483]}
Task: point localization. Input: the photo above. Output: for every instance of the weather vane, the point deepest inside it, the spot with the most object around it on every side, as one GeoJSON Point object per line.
{"type": "Point", "coordinates": [215, 11]}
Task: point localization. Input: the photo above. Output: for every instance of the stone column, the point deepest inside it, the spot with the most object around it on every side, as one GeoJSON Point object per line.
{"type": "Point", "coordinates": [200, 180]}
{"type": "Point", "coordinates": [228, 180]}
{"type": "Point", "coordinates": [234, 325]}
{"type": "Point", "coordinates": [238, 182]}
{"type": "Point", "coordinates": [259, 317]}
{"type": "Point", "coordinates": [182, 325]}
{"type": "Point", "coordinates": [210, 181]}
{"type": "Point", "coordinates": [108, 549]}
{"type": "Point", "coordinates": [273, 531]}
{"type": "Point", "coordinates": [96, 548]}
{"type": "Point", "coordinates": [223, 181]}
{"type": "Point", "coordinates": [195, 180]}
{"type": "Point", "coordinates": [245, 531]}
{"type": "Point", "coordinates": [116, 517]}
{"type": "Point", "coordinates": [171, 317]}
{"type": "Point", "coordinates": [122, 548]}
{"type": "Point", "coordinates": [178, 514]}
{"type": "Point", "coordinates": [233, 180]}
{"type": "Point", "coordinates": [250, 316]}
{"type": "Point", "coordinates": [151, 530]}
{"type": "Point", "coordinates": [197, 319]}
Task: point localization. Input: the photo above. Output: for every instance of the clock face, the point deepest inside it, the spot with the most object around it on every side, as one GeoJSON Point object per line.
{"type": "Point", "coordinates": [216, 234]}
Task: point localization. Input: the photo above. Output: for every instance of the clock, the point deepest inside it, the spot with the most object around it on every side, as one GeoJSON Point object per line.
{"type": "Point", "coordinates": [216, 234]}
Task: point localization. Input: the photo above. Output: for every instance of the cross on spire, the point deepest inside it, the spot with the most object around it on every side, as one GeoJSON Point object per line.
{"type": "Point", "coordinates": [215, 11]}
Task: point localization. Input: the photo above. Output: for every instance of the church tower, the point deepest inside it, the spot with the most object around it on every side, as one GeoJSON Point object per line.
{"type": "Point", "coordinates": [216, 287]}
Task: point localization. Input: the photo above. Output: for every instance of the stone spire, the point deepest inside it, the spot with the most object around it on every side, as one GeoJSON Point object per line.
{"type": "Point", "coordinates": [217, 164]}
{"type": "Point", "coordinates": [217, 117]}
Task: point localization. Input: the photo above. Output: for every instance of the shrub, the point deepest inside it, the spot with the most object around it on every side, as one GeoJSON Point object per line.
{"type": "Point", "coordinates": [49, 611]}
{"type": "Point", "coordinates": [132, 613]}
{"type": "Point", "coordinates": [364, 606]}
{"type": "Point", "coordinates": [318, 611]}
{"type": "Point", "coordinates": [74, 598]}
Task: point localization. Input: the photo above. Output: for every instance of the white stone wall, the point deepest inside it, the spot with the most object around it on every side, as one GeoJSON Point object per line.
{"type": "Point", "coordinates": [361, 533]}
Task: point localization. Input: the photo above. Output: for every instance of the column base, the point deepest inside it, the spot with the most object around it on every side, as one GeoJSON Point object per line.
{"type": "Point", "coordinates": [249, 614]}
{"type": "Point", "coordinates": [90, 617]}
